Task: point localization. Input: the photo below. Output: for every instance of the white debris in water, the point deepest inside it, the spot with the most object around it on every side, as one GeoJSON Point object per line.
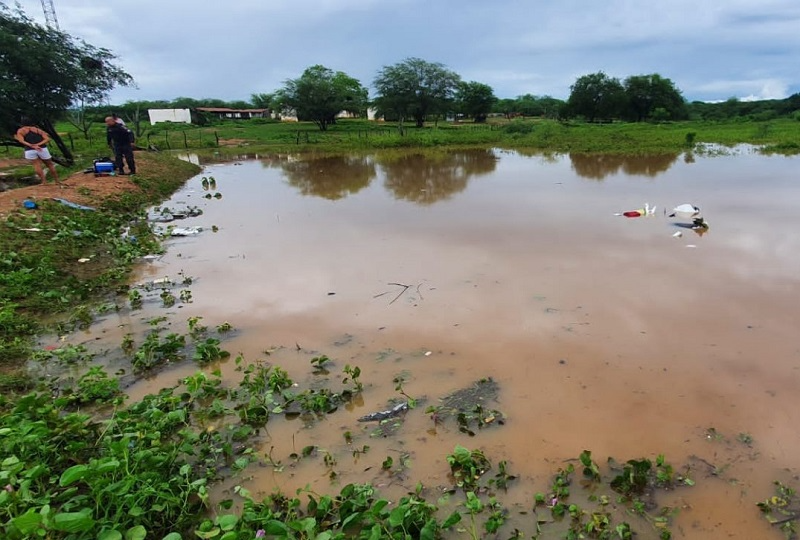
{"type": "Point", "coordinates": [677, 234]}
{"type": "Point", "coordinates": [185, 231]}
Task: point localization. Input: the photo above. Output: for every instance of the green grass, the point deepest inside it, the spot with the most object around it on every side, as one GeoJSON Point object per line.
{"type": "Point", "coordinates": [259, 136]}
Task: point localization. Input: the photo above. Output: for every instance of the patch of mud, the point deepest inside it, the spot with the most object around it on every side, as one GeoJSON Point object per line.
{"type": "Point", "coordinates": [233, 142]}
{"type": "Point", "coordinates": [471, 407]}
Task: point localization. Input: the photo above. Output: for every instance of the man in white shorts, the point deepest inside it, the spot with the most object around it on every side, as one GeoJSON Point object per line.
{"type": "Point", "coordinates": [35, 140]}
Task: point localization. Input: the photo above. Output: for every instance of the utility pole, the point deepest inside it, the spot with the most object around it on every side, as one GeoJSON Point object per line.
{"type": "Point", "coordinates": [50, 15]}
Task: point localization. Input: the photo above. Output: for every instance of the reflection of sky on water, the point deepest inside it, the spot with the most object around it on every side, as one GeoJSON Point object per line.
{"type": "Point", "coordinates": [527, 219]}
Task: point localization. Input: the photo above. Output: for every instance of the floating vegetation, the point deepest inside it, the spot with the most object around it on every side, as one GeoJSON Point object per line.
{"type": "Point", "coordinates": [470, 407]}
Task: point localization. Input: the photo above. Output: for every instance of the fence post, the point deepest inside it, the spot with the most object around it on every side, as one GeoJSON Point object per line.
{"type": "Point", "coordinates": [216, 136]}
{"type": "Point", "coordinates": [166, 139]}
{"type": "Point", "coordinates": [71, 142]}
{"type": "Point", "coordinates": [148, 142]}
{"type": "Point", "coordinates": [185, 142]}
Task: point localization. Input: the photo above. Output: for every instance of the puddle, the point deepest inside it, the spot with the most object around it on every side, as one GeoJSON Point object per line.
{"type": "Point", "coordinates": [431, 273]}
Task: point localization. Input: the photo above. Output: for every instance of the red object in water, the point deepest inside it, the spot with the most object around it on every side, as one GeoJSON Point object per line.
{"type": "Point", "coordinates": [633, 213]}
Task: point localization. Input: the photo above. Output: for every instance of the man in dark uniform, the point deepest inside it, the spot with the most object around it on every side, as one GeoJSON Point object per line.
{"type": "Point", "coordinates": [119, 139]}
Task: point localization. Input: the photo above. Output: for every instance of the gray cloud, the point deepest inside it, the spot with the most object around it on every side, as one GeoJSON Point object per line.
{"type": "Point", "coordinates": [712, 50]}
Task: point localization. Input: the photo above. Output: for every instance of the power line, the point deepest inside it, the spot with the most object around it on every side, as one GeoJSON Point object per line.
{"type": "Point", "coordinates": [50, 15]}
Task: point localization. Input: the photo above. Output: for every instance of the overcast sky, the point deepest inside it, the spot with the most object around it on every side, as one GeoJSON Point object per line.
{"type": "Point", "coordinates": [711, 49]}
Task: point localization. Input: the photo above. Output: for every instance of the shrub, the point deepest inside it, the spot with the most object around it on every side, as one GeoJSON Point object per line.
{"type": "Point", "coordinates": [519, 126]}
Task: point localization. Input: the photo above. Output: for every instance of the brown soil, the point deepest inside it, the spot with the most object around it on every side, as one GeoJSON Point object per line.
{"type": "Point", "coordinates": [81, 188]}
{"type": "Point", "coordinates": [12, 163]}
{"type": "Point", "coordinates": [233, 142]}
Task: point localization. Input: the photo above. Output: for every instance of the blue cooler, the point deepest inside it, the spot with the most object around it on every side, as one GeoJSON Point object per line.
{"type": "Point", "coordinates": [103, 167]}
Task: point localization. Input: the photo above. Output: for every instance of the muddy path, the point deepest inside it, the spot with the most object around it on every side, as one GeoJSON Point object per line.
{"type": "Point", "coordinates": [79, 187]}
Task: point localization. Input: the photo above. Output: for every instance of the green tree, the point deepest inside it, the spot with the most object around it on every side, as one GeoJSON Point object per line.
{"type": "Point", "coordinates": [415, 89]}
{"type": "Point", "coordinates": [596, 96]}
{"type": "Point", "coordinates": [475, 100]}
{"type": "Point", "coordinates": [239, 104]}
{"type": "Point", "coordinates": [506, 107]}
{"type": "Point", "coordinates": [528, 105]}
{"type": "Point", "coordinates": [321, 93]}
{"type": "Point", "coordinates": [652, 95]}
{"type": "Point", "coordinates": [551, 107]}
{"type": "Point", "coordinates": [43, 72]}
{"type": "Point", "coordinates": [262, 101]}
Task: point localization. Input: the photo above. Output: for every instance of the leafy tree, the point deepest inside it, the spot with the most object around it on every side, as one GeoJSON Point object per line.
{"type": "Point", "coordinates": [596, 96]}
{"type": "Point", "coordinates": [239, 104]}
{"type": "Point", "coordinates": [43, 72]}
{"type": "Point", "coordinates": [191, 103]}
{"type": "Point", "coordinates": [415, 88]}
{"type": "Point", "coordinates": [507, 107]}
{"type": "Point", "coordinates": [551, 107]}
{"type": "Point", "coordinates": [262, 101]}
{"type": "Point", "coordinates": [321, 93]}
{"type": "Point", "coordinates": [475, 99]}
{"type": "Point", "coordinates": [652, 95]}
{"type": "Point", "coordinates": [528, 105]}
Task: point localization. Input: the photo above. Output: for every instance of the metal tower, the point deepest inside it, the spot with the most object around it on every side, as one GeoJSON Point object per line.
{"type": "Point", "coordinates": [50, 15]}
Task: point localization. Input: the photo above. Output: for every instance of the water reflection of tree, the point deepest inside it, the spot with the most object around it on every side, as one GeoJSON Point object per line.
{"type": "Point", "coordinates": [426, 179]}
{"type": "Point", "coordinates": [333, 177]}
{"type": "Point", "coordinates": [598, 166]}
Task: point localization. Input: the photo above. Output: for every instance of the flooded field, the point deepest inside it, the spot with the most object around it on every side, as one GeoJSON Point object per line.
{"type": "Point", "coordinates": [430, 273]}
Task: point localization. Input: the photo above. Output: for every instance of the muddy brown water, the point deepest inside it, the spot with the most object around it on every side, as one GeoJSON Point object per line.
{"type": "Point", "coordinates": [603, 332]}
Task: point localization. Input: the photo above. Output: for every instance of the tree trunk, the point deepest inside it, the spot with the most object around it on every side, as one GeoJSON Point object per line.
{"type": "Point", "coordinates": [48, 126]}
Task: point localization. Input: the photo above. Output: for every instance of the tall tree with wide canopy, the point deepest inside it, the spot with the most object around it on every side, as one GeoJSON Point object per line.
{"type": "Point", "coordinates": [596, 96]}
{"type": "Point", "coordinates": [43, 72]}
{"type": "Point", "coordinates": [648, 93]}
{"type": "Point", "coordinates": [320, 93]}
{"type": "Point", "coordinates": [475, 100]}
{"type": "Point", "coordinates": [415, 88]}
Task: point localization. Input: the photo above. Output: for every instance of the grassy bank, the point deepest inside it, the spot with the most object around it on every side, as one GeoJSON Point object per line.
{"type": "Point", "coordinates": [262, 136]}
{"type": "Point", "coordinates": [41, 277]}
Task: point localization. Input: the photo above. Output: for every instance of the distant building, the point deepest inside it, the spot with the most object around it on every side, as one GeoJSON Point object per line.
{"type": "Point", "coordinates": [287, 115]}
{"type": "Point", "coordinates": [182, 116]}
{"type": "Point", "coordinates": [224, 113]}
{"type": "Point", "coordinates": [371, 114]}
{"type": "Point", "coordinates": [290, 115]}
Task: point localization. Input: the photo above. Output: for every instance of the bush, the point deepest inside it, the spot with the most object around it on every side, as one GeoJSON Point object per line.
{"type": "Point", "coordinates": [519, 126]}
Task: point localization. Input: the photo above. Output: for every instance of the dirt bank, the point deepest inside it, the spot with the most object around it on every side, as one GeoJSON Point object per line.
{"type": "Point", "coordinates": [80, 187]}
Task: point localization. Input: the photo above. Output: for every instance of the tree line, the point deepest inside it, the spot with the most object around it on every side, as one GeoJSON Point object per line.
{"type": "Point", "coordinates": [48, 75]}
{"type": "Point", "coordinates": [416, 90]}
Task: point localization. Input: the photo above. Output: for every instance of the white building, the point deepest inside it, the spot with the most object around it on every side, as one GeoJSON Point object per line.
{"type": "Point", "coordinates": [182, 116]}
